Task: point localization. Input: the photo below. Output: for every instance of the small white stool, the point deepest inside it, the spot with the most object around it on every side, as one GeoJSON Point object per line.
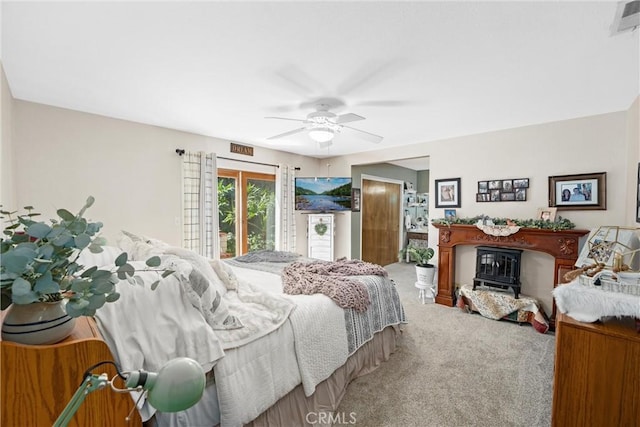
{"type": "Point", "coordinates": [426, 293]}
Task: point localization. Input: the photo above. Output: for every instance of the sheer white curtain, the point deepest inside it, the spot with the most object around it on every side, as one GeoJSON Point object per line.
{"type": "Point", "coordinates": [285, 213]}
{"type": "Point", "coordinates": [199, 201]}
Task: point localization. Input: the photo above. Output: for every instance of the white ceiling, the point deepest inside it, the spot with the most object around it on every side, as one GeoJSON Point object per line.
{"type": "Point", "coordinates": [417, 71]}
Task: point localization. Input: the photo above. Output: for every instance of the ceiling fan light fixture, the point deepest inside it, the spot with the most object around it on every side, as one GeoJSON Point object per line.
{"type": "Point", "coordinates": [321, 134]}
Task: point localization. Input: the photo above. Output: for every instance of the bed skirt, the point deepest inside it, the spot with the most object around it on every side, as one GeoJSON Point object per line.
{"type": "Point", "coordinates": [297, 409]}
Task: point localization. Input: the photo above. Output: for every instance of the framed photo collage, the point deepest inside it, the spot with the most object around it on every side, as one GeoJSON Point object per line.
{"type": "Point", "coordinates": [503, 190]}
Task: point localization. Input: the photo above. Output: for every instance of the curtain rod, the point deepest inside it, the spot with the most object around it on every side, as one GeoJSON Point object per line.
{"type": "Point", "coordinates": [181, 151]}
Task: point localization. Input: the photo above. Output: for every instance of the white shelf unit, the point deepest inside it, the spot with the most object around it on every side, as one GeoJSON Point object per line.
{"type": "Point", "coordinates": [320, 245]}
{"type": "Point", "coordinates": [417, 205]}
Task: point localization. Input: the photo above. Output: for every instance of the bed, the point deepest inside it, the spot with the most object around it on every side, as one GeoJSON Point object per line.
{"type": "Point", "coordinates": [272, 358]}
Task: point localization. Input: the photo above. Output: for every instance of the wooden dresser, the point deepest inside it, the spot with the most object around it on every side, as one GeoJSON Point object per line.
{"type": "Point", "coordinates": [37, 382]}
{"type": "Point", "coordinates": [597, 373]}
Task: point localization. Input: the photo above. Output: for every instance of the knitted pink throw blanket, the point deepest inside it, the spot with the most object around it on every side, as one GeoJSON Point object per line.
{"type": "Point", "coordinates": [329, 278]}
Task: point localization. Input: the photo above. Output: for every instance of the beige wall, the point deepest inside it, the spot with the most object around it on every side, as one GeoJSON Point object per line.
{"type": "Point", "coordinates": [633, 158]}
{"type": "Point", "coordinates": [582, 145]}
{"type": "Point", "coordinates": [7, 195]}
{"type": "Point", "coordinates": [63, 156]}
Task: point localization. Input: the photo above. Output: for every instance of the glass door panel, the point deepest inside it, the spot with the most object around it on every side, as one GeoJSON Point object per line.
{"type": "Point", "coordinates": [260, 197]}
{"type": "Point", "coordinates": [227, 211]}
{"type": "Point", "coordinates": [246, 212]}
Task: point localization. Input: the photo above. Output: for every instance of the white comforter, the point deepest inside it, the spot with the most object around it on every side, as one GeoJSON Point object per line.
{"type": "Point", "coordinates": [316, 347]}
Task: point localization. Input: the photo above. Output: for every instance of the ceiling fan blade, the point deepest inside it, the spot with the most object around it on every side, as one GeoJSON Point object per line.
{"type": "Point", "coordinates": [371, 137]}
{"type": "Point", "coordinates": [286, 118]}
{"type": "Point", "coordinates": [291, 132]}
{"type": "Point", "coordinates": [383, 103]}
{"type": "Point", "coordinates": [279, 109]}
{"type": "Point", "coordinates": [348, 117]}
{"type": "Point", "coordinates": [325, 144]}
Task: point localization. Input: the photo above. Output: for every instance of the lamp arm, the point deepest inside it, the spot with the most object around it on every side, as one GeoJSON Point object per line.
{"type": "Point", "coordinates": [90, 384]}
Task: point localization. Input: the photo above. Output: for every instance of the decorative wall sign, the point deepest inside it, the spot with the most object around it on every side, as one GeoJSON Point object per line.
{"type": "Point", "coordinates": [241, 149]}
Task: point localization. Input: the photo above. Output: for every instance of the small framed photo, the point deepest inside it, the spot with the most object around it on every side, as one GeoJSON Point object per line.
{"type": "Point", "coordinates": [521, 183]}
{"type": "Point", "coordinates": [508, 197]}
{"type": "Point", "coordinates": [495, 184]}
{"type": "Point", "coordinates": [546, 214]}
{"type": "Point", "coordinates": [449, 214]}
{"type": "Point", "coordinates": [355, 200]}
{"type": "Point", "coordinates": [587, 191]}
{"type": "Point", "coordinates": [521, 194]}
{"type": "Point", "coordinates": [495, 195]}
{"type": "Point", "coordinates": [507, 185]}
{"type": "Point", "coordinates": [448, 193]}
{"type": "Point", "coordinates": [483, 186]}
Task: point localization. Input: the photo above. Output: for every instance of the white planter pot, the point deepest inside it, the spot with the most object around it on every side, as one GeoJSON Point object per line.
{"type": "Point", "coordinates": [37, 323]}
{"type": "Point", "coordinates": [425, 274]}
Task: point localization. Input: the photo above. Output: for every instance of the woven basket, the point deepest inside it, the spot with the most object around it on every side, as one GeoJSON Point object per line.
{"type": "Point", "coordinates": [608, 284]}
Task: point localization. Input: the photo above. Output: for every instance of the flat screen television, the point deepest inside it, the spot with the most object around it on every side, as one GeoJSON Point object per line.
{"type": "Point", "coordinates": [323, 194]}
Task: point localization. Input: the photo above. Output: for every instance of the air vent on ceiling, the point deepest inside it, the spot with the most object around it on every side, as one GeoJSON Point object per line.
{"type": "Point", "coordinates": [627, 16]}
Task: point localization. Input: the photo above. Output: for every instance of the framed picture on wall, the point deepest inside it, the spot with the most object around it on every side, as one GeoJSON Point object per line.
{"type": "Point", "coordinates": [448, 193]}
{"type": "Point", "coordinates": [521, 183]}
{"type": "Point", "coordinates": [587, 191]}
{"type": "Point", "coordinates": [355, 200]}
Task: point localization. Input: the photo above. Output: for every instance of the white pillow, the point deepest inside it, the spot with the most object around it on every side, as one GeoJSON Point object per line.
{"type": "Point", "coordinates": [225, 273]}
{"type": "Point", "coordinates": [210, 302]}
{"type": "Point", "coordinates": [146, 328]}
{"type": "Point", "coordinates": [201, 294]}
{"type": "Point", "coordinates": [199, 263]}
{"type": "Point", "coordinates": [105, 258]}
{"type": "Point", "coordinates": [137, 250]}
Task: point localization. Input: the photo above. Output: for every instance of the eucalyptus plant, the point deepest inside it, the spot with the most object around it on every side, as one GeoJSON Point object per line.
{"type": "Point", "coordinates": [421, 255]}
{"type": "Point", "coordinates": [38, 262]}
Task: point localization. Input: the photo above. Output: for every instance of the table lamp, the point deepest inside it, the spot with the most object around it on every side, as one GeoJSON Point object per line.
{"type": "Point", "coordinates": [177, 386]}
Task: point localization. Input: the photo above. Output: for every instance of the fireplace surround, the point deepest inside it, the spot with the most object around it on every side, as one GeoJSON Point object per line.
{"type": "Point", "coordinates": [562, 245]}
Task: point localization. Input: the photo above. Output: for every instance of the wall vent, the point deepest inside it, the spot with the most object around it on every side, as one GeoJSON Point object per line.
{"type": "Point", "coordinates": [627, 16]}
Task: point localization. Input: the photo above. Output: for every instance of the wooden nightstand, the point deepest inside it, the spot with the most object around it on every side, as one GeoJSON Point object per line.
{"type": "Point", "coordinates": [38, 381]}
{"type": "Point", "coordinates": [597, 373]}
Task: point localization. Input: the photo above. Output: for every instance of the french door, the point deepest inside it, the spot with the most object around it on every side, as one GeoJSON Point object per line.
{"type": "Point", "coordinates": [246, 211]}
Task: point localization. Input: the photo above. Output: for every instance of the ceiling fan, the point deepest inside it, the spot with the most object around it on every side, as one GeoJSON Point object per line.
{"type": "Point", "coordinates": [322, 125]}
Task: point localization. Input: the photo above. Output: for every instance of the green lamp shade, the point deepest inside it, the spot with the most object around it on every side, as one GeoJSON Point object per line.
{"type": "Point", "coordinates": [177, 386]}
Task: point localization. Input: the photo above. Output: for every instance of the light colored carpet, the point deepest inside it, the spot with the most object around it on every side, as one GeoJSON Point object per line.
{"type": "Point", "coordinates": [455, 369]}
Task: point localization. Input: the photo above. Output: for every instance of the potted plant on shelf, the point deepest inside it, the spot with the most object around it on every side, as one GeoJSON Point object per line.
{"type": "Point", "coordinates": [39, 274]}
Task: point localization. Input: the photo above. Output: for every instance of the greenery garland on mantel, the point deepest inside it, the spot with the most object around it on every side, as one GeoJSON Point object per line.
{"type": "Point", "coordinates": [559, 224]}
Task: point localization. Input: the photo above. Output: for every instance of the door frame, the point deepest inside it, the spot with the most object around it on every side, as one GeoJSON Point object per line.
{"type": "Point", "coordinates": [362, 204]}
